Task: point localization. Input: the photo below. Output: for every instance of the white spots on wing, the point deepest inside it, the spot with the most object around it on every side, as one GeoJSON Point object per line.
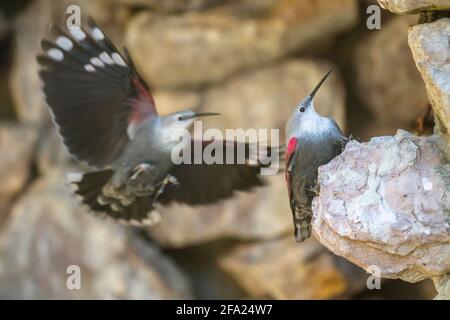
{"type": "Point", "coordinates": [89, 68]}
{"type": "Point", "coordinates": [64, 43]}
{"type": "Point", "coordinates": [427, 184]}
{"type": "Point", "coordinates": [98, 34]}
{"type": "Point", "coordinates": [97, 62]}
{"type": "Point", "coordinates": [106, 58]}
{"type": "Point", "coordinates": [55, 54]}
{"type": "Point", "coordinates": [78, 34]}
{"type": "Point", "coordinates": [118, 59]}
{"type": "Point", "coordinates": [115, 58]}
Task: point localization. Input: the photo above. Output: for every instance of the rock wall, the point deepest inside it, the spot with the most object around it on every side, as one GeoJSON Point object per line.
{"type": "Point", "coordinates": [385, 204]}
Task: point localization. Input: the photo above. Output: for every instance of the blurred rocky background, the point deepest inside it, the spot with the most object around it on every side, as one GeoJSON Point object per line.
{"type": "Point", "coordinates": [252, 61]}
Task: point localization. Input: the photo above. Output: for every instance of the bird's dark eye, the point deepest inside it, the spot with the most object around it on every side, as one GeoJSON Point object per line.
{"type": "Point", "coordinates": [302, 109]}
{"type": "Point", "coordinates": [179, 118]}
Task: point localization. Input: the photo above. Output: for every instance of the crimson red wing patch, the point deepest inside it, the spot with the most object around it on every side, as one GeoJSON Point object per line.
{"type": "Point", "coordinates": [292, 146]}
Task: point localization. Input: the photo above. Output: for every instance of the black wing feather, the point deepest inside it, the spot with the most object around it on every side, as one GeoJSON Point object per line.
{"type": "Point", "coordinates": [91, 90]}
{"type": "Point", "coordinates": [204, 184]}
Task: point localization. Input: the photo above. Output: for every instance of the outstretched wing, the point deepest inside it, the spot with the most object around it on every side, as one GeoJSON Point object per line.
{"type": "Point", "coordinates": [96, 96]}
{"type": "Point", "coordinates": [207, 183]}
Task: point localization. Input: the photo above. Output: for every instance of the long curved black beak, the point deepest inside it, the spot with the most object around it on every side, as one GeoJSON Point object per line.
{"type": "Point", "coordinates": [205, 114]}
{"type": "Point", "coordinates": [200, 115]}
{"type": "Point", "coordinates": [313, 93]}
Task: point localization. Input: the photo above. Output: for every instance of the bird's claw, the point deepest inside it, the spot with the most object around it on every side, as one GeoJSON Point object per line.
{"type": "Point", "coordinates": [313, 189]}
{"type": "Point", "coordinates": [345, 141]}
{"type": "Point", "coordinates": [169, 179]}
{"type": "Point", "coordinates": [173, 181]}
{"type": "Point", "coordinates": [139, 169]}
{"type": "Point", "coordinates": [139, 180]}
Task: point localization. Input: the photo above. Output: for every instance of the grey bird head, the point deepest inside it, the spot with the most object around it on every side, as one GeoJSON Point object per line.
{"type": "Point", "coordinates": [166, 129]}
{"type": "Point", "coordinates": [183, 119]}
{"type": "Point", "coordinates": [305, 118]}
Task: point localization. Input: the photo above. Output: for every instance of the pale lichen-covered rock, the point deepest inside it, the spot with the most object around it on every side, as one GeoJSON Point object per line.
{"type": "Point", "coordinates": [283, 269]}
{"type": "Point", "coordinates": [194, 49]}
{"type": "Point", "coordinates": [430, 46]}
{"type": "Point", "coordinates": [386, 203]}
{"type": "Point", "coordinates": [48, 232]}
{"type": "Point", "coordinates": [414, 6]}
{"type": "Point", "coordinates": [382, 55]}
{"type": "Point", "coordinates": [443, 287]}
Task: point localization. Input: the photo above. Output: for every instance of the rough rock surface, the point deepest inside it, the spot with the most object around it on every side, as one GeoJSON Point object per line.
{"type": "Point", "coordinates": [48, 232]}
{"type": "Point", "coordinates": [383, 55]}
{"type": "Point", "coordinates": [414, 6]}
{"type": "Point", "coordinates": [430, 46]}
{"type": "Point", "coordinates": [259, 99]}
{"type": "Point", "coordinates": [443, 287]}
{"type": "Point", "coordinates": [387, 203]}
{"type": "Point", "coordinates": [217, 44]}
{"type": "Point", "coordinates": [17, 144]}
{"type": "Point", "coordinates": [283, 269]}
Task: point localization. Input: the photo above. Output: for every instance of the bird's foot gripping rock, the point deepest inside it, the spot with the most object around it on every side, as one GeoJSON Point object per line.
{"type": "Point", "coordinates": [345, 141]}
{"type": "Point", "coordinates": [168, 180]}
{"type": "Point", "coordinates": [314, 189]}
